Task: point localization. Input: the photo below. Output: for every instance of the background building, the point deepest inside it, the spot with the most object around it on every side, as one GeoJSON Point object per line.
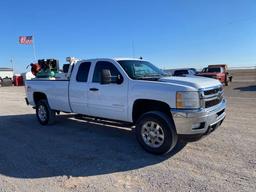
{"type": "Point", "coordinates": [6, 72]}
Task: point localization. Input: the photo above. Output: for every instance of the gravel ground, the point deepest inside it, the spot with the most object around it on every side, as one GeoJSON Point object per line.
{"type": "Point", "coordinates": [75, 155]}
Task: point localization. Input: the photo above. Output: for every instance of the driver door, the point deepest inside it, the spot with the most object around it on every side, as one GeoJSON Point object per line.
{"type": "Point", "coordinates": [107, 100]}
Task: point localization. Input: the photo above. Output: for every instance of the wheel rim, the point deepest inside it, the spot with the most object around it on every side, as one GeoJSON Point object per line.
{"type": "Point", "coordinates": [152, 134]}
{"type": "Point", "coordinates": [42, 113]}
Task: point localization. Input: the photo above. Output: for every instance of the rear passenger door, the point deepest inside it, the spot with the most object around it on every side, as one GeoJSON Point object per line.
{"type": "Point", "coordinates": [78, 89]}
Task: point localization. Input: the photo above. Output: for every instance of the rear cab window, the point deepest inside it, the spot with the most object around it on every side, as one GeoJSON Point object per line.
{"type": "Point", "coordinates": [83, 72]}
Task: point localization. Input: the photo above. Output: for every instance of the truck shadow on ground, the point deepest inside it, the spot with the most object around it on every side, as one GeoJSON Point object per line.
{"type": "Point", "coordinates": [70, 147]}
{"type": "Point", "coordinates": [247, 88]}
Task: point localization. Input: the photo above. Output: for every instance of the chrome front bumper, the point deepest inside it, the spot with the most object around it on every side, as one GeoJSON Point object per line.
{"type": "Point", "coordinates": [196, 122]}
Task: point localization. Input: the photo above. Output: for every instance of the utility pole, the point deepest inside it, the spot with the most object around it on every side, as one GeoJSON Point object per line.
{"type": "Point", "coordinates": [11, 60]}
{"type": "Point", "coordinates": [34, 46]}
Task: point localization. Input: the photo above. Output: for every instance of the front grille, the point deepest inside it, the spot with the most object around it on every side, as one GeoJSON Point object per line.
{"type": "Point", "coordinates": [212, 91]}
{"type": "Point", "coordinates": [212, 102]}
{"type": "Point", "coordinates": [212, 97]}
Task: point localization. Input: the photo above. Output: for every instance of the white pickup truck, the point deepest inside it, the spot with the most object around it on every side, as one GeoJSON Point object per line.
{"type": "Point", "coordinates": [163, 109]}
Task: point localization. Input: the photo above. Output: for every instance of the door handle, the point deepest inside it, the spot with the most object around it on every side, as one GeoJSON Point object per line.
{"type": "Point", "coordinates": [94, 89]}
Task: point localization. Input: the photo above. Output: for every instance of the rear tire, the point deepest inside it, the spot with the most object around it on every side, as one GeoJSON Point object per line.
{"type": "Point", "coordinates": [44, 113]}
{"type": "Point", "coordinates": [156, 133]}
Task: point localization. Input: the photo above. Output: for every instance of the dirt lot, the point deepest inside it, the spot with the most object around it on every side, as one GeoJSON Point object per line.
{"type": "Point", "coordinates": [75, 155]}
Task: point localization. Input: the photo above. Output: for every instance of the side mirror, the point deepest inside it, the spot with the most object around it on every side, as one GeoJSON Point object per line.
{"type": "Point", "coordinates": [119, 79]}
{"type": "Point", "coordinates": [105, 76]}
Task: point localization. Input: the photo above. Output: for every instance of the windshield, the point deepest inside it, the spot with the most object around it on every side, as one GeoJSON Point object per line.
{"type": "Point", "coordinates": [214, 70]}
{"type": "Point", "coordinates": [140, 69]}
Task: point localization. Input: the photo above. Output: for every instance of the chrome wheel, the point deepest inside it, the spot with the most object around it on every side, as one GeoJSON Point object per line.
{"type": "Point", "coordinates": [152, 134]}
{"type": "Point", "coordinates": [42, 113]}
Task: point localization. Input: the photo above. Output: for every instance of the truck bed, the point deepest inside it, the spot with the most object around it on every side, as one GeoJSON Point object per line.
{"type": "Point", "coordinates": [57, 92]}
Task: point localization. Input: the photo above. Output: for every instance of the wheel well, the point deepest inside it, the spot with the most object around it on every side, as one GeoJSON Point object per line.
{"type": "Point", "coordinates": [142, 106]}
{"type": "Point", "coordinates": [39, 96]}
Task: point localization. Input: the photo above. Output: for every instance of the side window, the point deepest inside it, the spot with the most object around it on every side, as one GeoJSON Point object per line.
{"type": "Point", "coordinates": [100, 65]}
{"type": "Point", "coordinates": [83, 71]}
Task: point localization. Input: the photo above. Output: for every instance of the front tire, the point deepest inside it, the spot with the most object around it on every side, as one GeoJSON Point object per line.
{"type": "Point", "coordinates": [44, 113]}
{"type": "Point", "coordinates": [156, 133]}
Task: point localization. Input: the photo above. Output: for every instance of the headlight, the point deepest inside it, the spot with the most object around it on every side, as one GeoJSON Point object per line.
{"type": "Point", "coordinates": [187, 100]}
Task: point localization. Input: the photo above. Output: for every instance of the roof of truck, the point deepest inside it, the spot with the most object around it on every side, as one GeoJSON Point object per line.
{"type": "Point", "coordinates": [116, 59]}
{"type": "Point", "coordinates": [125, 59]}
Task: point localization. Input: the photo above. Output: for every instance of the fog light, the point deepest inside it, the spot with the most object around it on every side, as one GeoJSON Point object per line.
{"type": "Point", "coordinates": [196, 125]}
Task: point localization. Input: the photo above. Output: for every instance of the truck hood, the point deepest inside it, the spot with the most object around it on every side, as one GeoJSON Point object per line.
{"type": "Point", "coordinates": [195, 82]}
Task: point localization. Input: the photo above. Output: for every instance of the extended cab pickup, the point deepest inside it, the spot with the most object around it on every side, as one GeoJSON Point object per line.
{"type": "Point", "coordinates": [163, 109]}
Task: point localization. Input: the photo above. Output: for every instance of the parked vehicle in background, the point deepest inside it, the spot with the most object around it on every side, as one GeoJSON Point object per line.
{"type": "Point", "coordinates": [217, 72]}
{"type": "Point", "coordinates": [162, 109]}
{"type": "Point", "coordinates": [186, 72]}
